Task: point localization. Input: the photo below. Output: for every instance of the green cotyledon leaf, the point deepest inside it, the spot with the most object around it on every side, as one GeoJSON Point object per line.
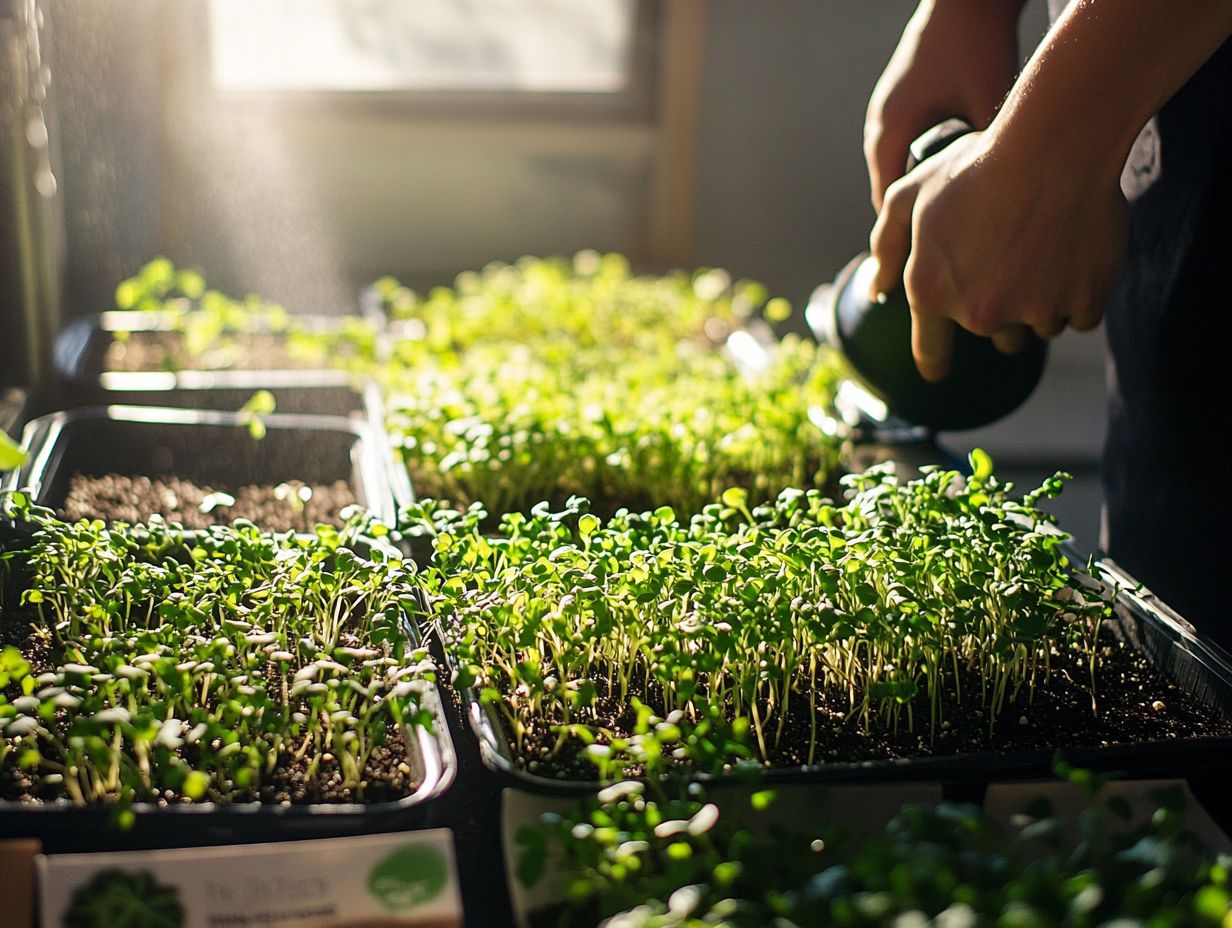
{"type": "Point", "coordinates": [11, 454]}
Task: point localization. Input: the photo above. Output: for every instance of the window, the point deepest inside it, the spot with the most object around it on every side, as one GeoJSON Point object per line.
{"type": "Point", "coordinates": [309, 146]}
{"type": "Point", "coordinates": [510, 46]}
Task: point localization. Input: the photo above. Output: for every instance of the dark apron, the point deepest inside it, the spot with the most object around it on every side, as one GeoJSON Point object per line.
{"type": "Point", "coordinates": [1167, 481]}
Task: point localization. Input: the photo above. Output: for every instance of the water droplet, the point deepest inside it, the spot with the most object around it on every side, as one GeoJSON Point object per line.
{"type": "Point", "coordinates": [45, 183]}
{"type": "Point", "coordinates": [36, 131]}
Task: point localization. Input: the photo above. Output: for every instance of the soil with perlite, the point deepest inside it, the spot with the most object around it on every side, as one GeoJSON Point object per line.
{"type": "Point", "coordinates": [1134, 704]}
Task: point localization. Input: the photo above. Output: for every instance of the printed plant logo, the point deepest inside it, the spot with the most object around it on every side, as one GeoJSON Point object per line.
{"type": "Point", "coordinates": [408, 878]}
{"type": "Point", "coordinates": [120, 897]}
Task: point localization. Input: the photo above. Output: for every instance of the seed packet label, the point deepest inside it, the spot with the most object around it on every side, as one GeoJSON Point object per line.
{"type": "Point", "coordinates": [1138, 799]}
{"type": "Point", "coordinates": [406, 879]}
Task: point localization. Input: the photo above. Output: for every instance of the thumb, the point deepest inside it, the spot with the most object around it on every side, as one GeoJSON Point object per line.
{"type": "Point", "coordinates": [890, 240]}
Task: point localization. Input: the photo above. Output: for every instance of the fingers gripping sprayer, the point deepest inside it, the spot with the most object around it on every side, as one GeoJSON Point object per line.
{"type": "Point", "coordinates": [874, 336]}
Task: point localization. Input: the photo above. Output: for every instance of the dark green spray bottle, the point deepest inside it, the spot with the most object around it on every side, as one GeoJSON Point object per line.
{"type": "Point", "coordinates": [983, 385]}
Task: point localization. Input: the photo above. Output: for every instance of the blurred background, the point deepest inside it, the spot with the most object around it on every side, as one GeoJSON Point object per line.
{"type": "Point", "coordinates": [301, 148]}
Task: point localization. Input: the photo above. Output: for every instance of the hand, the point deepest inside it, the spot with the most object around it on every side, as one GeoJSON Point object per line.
{"type": "Point", "coordinates": [994, 238]}
{"type": "Point", "coordinates": [955, 58]}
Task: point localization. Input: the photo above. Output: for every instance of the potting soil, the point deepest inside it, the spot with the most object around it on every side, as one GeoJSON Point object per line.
{"type": "Point", "coordinates": [294, 507]}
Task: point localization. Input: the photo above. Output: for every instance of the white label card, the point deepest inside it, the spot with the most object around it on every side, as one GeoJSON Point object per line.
{"type": "Point", "coordinates": [404, 879]}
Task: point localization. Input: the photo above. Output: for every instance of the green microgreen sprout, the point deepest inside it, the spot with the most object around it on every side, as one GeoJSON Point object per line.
{"type": "Point", "coordinates": [726, 626]}
{"type": "Point", "coordinates": [252, 414]}
{"type": "Point", "coordinates": [549, 378]}
{"type": "Point", "coordinates": [157, 284]}
{"type": "Point", "coordinates": [11, 455]}
{"type": "Point", "coordinates": [633, 856]}
{"type": "Point", "coordinates": [176, 666]}
{"type": "Point", "coordinates": [215, 500]}
{"type": "Point", "coordinates": [205, 328]}
{"type": "Point", "coordinates": [294, 494]}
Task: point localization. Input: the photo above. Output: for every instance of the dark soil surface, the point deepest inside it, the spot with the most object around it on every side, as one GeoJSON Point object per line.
{"type": "Point", "coordinates": [388, 777]}
{"type": "Point", "coordinates": [166, 351]}
{"type": "Point", "coordinates": [1135, 705]}
{"type": "Point", "coordinates": [119, 498]}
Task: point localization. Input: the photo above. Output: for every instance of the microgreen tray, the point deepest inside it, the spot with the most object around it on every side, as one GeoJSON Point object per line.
{"type": "Point", "coordinates": [1171, 645]}
{"type": "Point", "coordinates": [202, 446]}
{"type": "Point", "coordinates": [63, 826]}
{"type": "Point", "coordinates": [81, 349]}
{"type": "Point", "coordinates": [295, 392]}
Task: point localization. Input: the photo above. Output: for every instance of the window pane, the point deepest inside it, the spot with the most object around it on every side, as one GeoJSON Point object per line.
{"type": "Point", "coordinates": [426, 45]}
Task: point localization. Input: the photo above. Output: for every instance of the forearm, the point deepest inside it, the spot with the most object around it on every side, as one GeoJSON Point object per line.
{"type": "Point", "coordinates": [969, 10]}
{"type": "Point", "coordinates": [1099, 75]}
{"type": "Point", "coordinates": [952, 25]}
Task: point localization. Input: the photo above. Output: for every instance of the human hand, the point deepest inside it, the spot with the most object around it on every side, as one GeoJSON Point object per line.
{"type": "Point", "coordinates": [995, 239]}
{"type": "Point", "coordinates": [955, 58]}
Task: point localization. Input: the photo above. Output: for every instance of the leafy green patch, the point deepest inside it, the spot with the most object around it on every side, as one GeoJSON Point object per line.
{"type": "Point", "coordinates": [509, 429]}
{"type": "Point", "coordinates": [172, 664]}
{"type": "Point", "coordinates": [549, 378]}
{"type": "Point", "coordinates": [546, 378]}
{"type": "Point", "coordinates": [560, 306]}
{"type": "Point", "coordinates": [716, 630]}
{"type": "Point", "coordinates": [206, 328]}
{"type": "Point", "coordinates": [118, 897]}
{"type": "Point", "coordinates": [640, 858]}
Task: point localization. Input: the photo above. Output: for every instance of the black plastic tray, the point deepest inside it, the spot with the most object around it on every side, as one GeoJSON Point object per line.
{"type": "Point", "coordinates": [64, 827]}
{"type": "Point", "coordinates": [399, 479]}
{"type": "Point", "coordinates": [295, 392]}
{"type": "Point", "coordinates": [81, 348]}
{"type": "Point", "coordinates": [1169, 642]}
{"type": "Point", "coordinates": [203, 446]}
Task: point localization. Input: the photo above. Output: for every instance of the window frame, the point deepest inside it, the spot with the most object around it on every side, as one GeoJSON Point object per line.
{"type": "Point", "coordinates": [659, 114]}
{"type": "Point", "coordinates": [635, 103]}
